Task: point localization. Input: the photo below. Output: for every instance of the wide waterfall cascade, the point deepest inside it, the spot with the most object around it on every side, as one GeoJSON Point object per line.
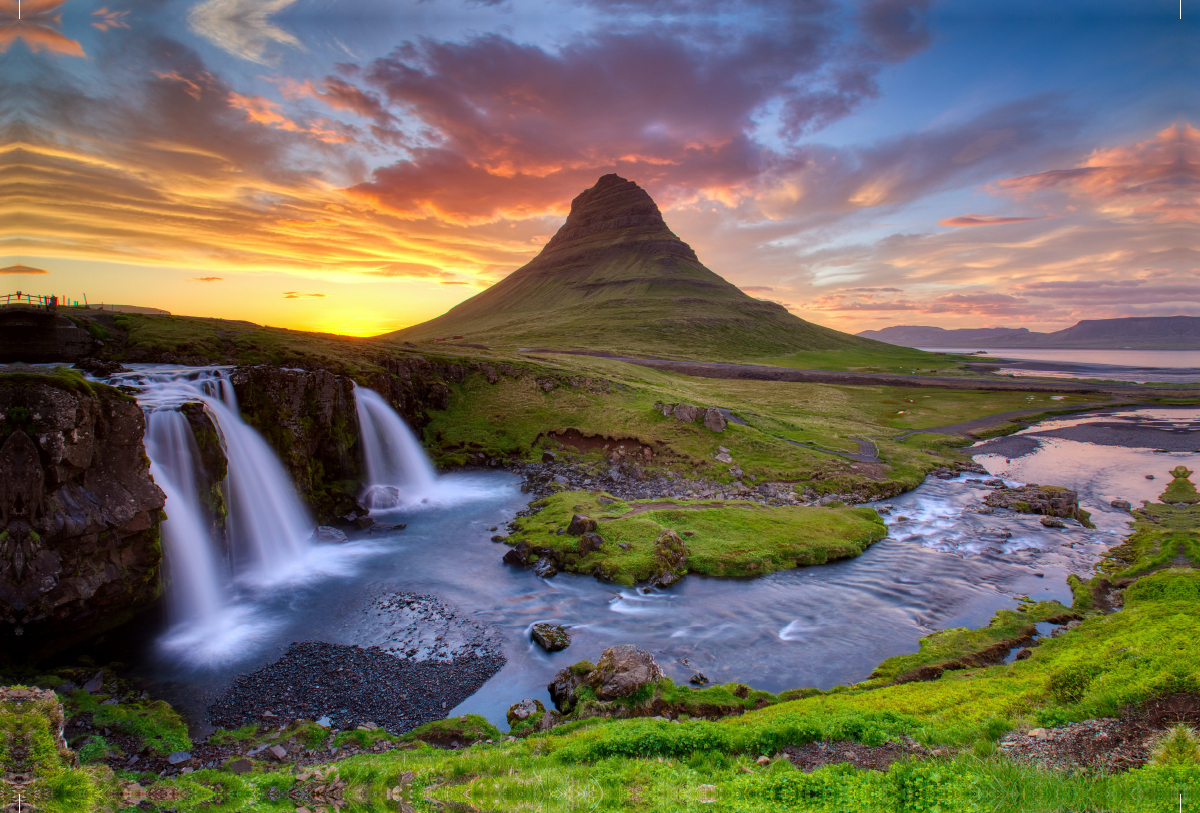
{"type": "Point", "coordinates": [398, 470]}
{"type": "Point", "coordinates": [195, 592]}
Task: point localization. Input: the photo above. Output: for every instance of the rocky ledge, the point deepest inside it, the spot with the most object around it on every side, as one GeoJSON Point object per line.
{"type": "Point", "coordinates": [79, 513]}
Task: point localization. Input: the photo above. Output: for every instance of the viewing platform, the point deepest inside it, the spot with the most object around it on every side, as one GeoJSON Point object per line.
{"type": "Point", "coordinates": [33, 330]}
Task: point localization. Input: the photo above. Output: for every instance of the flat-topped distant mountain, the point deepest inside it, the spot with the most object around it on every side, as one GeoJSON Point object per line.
{"type": "Point", "coordinates": [926, 336]}
{"type": "Point", "coordinates": [615, 278]}
{"type": "Point", "coordinates": [1132, 332]}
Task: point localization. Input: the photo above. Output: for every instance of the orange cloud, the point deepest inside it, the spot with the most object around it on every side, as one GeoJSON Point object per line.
{"type": "Point", "coordinates": [1157, 179]}
{"type": "Point", "coordinates": [109, 19]}
{"type": "Point", "coordinates": [36, 24]}
{"type": "Point", "coordinates": [261, 110]}
{"type": "Point", "coordinates": [206, 279]}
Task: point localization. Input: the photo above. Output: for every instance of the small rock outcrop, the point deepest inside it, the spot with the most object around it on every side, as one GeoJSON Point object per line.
{"type": "Point", "coordinates": [590, 542]}
{"type": "Point", "coordinates": [551, 637]}
{"type": "Point", "coordinates": [1051, 501]}
{"type": "Point", "coordinates": [581, 524]}
{"type": "Point", "coordinates": [715, 420]}
{"type": "Point", "coordinates": [523, 710]}
{"type": "Point", "coordinates": [621, 672]}
{"type": "Point", "coordinates": [79, 513]}
{"type": "Point", "coordinates": [670, 559]}
{"type": "Point", "coordinates": [687, 413]}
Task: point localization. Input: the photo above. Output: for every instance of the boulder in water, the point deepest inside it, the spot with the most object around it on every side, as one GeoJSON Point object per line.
{"type": "Point", "coordinates": [381, 497]}
{"type": "Point", "coordinates": [518, 556]}
{"type": "Point", "coordinates": [1122, 505]}
{"type": "Point", "coordinates": [545, 568]}
{"type": "Point", "coordinates": [324, 534]}
{"type": "Point", "coordinates": [1051, 501]}
{"type": "Point", "coordinates": [551, 637]}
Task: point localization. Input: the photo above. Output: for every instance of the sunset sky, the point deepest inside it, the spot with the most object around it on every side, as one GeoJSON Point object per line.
{"type": "Point", "coordinates": [357, 167]}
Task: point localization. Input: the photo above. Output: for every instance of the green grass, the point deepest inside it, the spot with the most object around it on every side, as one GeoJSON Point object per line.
{"type": "Point", "coordinates": [156, 725]}
{"type": "Point", "coordinates": [729, 541]}
{"type": "Point", "coordinates": [961, 647]}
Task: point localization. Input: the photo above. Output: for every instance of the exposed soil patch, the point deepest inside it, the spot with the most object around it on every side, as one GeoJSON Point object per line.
{"type": "Point", "coordinates": [1108, 744]}
{"type": "Point", "coordinates": [813, 755]}
{"type": "Point", "coordinates": [586, 443]}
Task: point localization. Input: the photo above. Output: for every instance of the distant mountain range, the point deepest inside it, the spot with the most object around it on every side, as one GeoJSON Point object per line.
{"type": "Point", "coordinates": [615, 278]}
{"type": "Point", "coordinates": [1134, 333]}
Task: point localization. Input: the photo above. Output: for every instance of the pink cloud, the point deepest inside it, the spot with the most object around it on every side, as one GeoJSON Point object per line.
{"type": "Point", "coordinates": [1157, 179]}
{"type": "Point", "coordinates": [984, 220]}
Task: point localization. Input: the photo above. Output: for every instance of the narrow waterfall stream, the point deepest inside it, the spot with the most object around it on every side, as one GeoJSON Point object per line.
{"type": "Point", "coordinates": [398, 470]}
{"type": "Point", "coordinates": [198, 591]}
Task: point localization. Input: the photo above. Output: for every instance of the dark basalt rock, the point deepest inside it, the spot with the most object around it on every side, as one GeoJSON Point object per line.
{"type": "Point", "coordinates": [590, 542]}
{"type": "Point", "coordinates": [79, 514]}
{"type": "Point", "coordinates": [100, 367]}
{"type": "Point", "coordinates": [550, 637]}
{"type": "Point", "coordinates": [581, 525]}
{"type": "Point", "coordinates": [1051, 501]}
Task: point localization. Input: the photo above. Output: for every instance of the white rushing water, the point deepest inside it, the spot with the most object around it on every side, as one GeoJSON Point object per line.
{"type": "Point", "coordinates": [196, 590]}
{"type": "Point", "coordinates": [398, 470]}
{"type": "Point", "coordinates": [268, 525]}
{"type": "Point", "coordinates": [217, 603]}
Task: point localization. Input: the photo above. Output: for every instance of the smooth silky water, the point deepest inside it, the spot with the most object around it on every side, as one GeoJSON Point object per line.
{"type": "Point", "coordinates": [942, 565]}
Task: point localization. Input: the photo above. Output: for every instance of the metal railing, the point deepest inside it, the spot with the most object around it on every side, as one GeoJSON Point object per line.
{"type": "Point", "coordinates": [23, 300]}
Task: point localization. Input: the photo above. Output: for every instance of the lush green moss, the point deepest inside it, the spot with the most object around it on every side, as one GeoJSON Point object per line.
{"type": "Point", "coordinates": [961, 648]}
{"type": "Point", "coordinates": [724, 539]}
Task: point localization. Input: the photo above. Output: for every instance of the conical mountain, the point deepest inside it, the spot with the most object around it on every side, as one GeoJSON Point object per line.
{"type": "Point", "coordinates": [616, 278]}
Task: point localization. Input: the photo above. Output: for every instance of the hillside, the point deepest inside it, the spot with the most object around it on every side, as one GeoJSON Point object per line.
{"type": "Point", "coordinates": [1133, 333]}
{"type": "Point", "coordinates": [616, 278]}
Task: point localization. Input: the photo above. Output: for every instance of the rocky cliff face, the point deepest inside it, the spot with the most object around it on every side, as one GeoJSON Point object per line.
{"type": "Point", "coordinates": [309, 418]}
{"type": "Point", "coordinates": [79, 513]}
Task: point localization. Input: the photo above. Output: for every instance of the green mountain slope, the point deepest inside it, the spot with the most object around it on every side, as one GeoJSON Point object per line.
{"type": "Point", "coordinates": [616, 278]}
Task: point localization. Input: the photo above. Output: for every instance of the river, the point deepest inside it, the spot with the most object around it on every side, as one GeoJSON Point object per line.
{"type": "Point", "coordinates": [941, 565]}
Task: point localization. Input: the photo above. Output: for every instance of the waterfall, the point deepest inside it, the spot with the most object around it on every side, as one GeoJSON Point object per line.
{"type": "Point", "coordinates": [195, 592]}
{"type": "Point", "coordinates": [268, 524]}
{"type": "Point", "coordinates": [398, 470]}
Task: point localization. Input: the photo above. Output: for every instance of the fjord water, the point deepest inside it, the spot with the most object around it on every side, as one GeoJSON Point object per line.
{"type": "Point", "coordinates": [1134, 366]}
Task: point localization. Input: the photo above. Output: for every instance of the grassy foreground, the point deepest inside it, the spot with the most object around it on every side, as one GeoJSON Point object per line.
{"type": "Point", "coordinates": [1108, 663]}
